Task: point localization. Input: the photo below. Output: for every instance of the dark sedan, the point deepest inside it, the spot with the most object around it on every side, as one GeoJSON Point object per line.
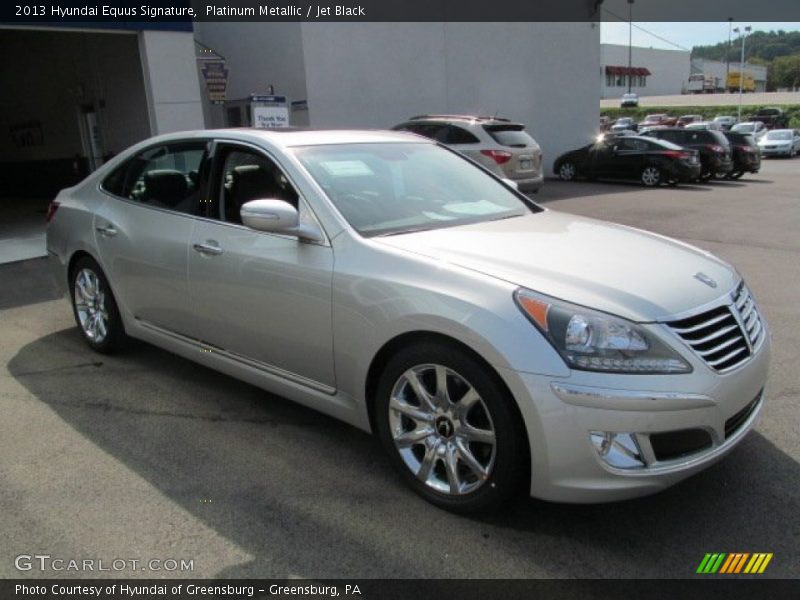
{"type": "Point", "coordinates": [746, 155]}
{"type": "Point", "coordinates": [713, 146]}
{"type": "Point", "coordinates": [650, 161]}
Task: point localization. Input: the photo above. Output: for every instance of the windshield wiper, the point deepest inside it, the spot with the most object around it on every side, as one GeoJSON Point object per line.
{"type": "Point", "coordinates": [402, 231]}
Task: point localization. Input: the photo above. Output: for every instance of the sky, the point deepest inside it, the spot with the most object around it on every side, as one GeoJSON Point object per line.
{"type": "Point", "coordinates": [677, 36]}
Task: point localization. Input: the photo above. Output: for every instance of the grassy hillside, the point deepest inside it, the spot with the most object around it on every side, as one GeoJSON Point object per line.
{"type": "Point", "coordinates": [709, 112]}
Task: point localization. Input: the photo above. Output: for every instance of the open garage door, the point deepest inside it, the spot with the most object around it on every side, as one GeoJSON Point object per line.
{"type": "Point", "coordinates": [72, 99]}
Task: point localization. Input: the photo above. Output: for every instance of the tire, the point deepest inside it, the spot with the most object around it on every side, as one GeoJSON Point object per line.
{"type": "Point", "coordinates": [464, 458]}
{"type": "Point", "coordinates": [651, 176]}
{"type": "Point", "coordinates": [567, 171]}
{"type": "Point", "coordinates": [735, 174]}
{"type": "Point", "coordinates": [95, 308]}
{"type": "Point", "coordinates": [705, 176]}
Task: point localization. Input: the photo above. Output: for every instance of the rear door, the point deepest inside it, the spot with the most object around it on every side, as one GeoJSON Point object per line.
{"type": "Point", "coordinates": [143, 229]}
{"type": "Point", "coordinates": [629, 157]}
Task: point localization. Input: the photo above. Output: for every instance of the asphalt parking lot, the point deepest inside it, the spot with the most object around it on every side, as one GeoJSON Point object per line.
{"type": "Point", "coordinates": [145, 455]}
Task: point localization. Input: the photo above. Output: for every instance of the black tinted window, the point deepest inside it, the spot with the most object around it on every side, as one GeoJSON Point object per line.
{"type": "Point", "coordinates": [509, 135]}
{"type": "Point", "coordinates": [247, 175]}
{"type": "Point", "coordinates": [459, 135]}
{"type": "Point", "coordinates": [164, 176]}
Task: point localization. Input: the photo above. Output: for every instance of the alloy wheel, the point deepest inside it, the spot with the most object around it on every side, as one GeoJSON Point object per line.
{"type": "Point", "coordinates": [651, 176]}
{"type": "Point", "coordinates": [442, 429]}
{"type": "Point", "coordinates": [567, 171]}
{"type": "Point", "coordinates": [90, 305]}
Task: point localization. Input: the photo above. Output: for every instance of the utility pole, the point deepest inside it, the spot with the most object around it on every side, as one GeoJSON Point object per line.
{"type": "Point", "coordinates": [744, 33]}
{"type": "Point", "coordinates": [630, 44]}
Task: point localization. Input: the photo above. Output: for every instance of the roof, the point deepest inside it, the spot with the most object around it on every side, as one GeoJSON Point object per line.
{"type": "Point", "coordinates": [459, 118]}
{"type": "Point", "coordinates": [294, 136]}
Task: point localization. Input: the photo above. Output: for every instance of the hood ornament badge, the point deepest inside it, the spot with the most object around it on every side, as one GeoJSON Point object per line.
{"type": "Point", "coordinates": [700, 276]}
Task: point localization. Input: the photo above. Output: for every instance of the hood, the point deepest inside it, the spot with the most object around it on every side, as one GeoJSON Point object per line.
{"type": "Point", "coordinates": [628, 272]}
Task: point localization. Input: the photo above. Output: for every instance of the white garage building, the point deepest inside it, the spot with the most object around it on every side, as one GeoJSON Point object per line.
{"type": "Point", "coordinates": [379, 74]}
{"type": "Point", "coordinates": [654, 72]}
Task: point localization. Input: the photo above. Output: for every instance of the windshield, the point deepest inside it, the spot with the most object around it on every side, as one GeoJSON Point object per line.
{"type": "Point", "coordinates": [744, 128]}
{"type": "Point", "coordinates": [401, 187]}
{"type": "Point", "coordinates": [779, 135]}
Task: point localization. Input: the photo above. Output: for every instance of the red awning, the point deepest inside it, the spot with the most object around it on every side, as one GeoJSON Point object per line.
{"type": "Point", "coordinates": [612, 70]}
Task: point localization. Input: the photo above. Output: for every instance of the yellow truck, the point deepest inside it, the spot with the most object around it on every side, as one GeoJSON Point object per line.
{"type": "Point", "coordinates": [732, 83]}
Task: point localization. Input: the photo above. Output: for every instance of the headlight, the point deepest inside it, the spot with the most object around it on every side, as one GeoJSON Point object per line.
{"type": "Point", "coordinates": [593, 341]}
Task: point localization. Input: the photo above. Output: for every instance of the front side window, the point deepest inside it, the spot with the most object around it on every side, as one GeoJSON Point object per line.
{"type": "Point", "coordinates": [247, 175]}
{"type": "Point", "coordinates": [399, 187]}
{"type": "Point", "coordinates": [166, 176]}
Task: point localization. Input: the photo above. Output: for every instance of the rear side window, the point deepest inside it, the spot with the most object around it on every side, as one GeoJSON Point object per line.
{"type": "Point", "coordinates": [459, 135]}
{"type": "Point", "coordinates": [165, 176]}
{"type": "Point", "coordinates": [434, 131]}
{"type": "Point", "coordinates": [513, 136]}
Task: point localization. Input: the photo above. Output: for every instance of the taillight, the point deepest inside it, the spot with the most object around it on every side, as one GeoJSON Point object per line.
{"type": "Point", "coordinates": [498, 156]}
{"type": "Point", "coordinates": [745, 148]}
{"type": "Point", "coordinates": [51, 211]}
{"type": "Point", "coordinates": [716, 148]}
{"type": "Point", "coordinates": [677, 154]}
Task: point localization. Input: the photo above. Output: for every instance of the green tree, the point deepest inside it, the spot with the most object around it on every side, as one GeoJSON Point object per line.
{"type": "Point", "coordinates": [786, 71]}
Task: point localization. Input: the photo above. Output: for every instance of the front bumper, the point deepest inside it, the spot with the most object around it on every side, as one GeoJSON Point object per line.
{"type": "Point", "coordinates": [783, 151]}
{"type": "Point", "coordinates": [560, 413]}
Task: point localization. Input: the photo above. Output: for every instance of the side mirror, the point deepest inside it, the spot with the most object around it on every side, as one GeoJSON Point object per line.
{"type": "Point", "coordinates": [511, 183]}
{"type": "Point", "coordinates": [277, 216]}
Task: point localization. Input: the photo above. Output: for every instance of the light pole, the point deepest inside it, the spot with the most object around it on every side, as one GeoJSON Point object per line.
{"type": "Point", "coordinates": [728, 53]}
{"type": "Point", "coordinates": [744, 33]}
{"type": "Point", "coordinates": [630, 44]}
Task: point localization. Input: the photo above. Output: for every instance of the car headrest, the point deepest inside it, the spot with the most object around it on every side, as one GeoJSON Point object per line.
{"type": "Point", "coordinates": [165, 186]}
{"type": "Point", "coordinates": [251, 182]}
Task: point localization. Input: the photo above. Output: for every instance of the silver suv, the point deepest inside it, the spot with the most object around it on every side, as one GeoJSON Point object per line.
{"type": "Point", "coordinates": [500, 145]}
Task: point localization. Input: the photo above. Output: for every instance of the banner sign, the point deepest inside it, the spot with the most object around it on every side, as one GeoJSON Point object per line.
{"type": "Point", "coordinates": [216, 75]}
{"type": "Point", "coordinates": [269, 111]}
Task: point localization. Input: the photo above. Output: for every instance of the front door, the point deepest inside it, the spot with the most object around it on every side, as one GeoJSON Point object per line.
{"type": "Point", "coordinates": [263, 297]}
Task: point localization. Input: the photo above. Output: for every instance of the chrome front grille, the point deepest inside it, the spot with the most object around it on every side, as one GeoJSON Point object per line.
{"type": "Point", "coordinates": [725, 336]}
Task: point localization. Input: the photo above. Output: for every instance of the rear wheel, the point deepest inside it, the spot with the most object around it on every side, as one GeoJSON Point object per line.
{"type": "Point", "coordinates": [94, 307]}
{"type": "Point", "coordinates": [651, 176]}
{"type": "Point", "coordinates": [450, 429]}
{"type": "Point", "coordinates": [567, 171]}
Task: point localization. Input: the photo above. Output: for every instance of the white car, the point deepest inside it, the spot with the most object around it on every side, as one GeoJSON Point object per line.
{"type": "Point", "coordinates": [629, 100]}
{"type": "Point", "coordinates": [754, 128]}
{"type": "Point", "coordinates": [725, 122]}
{"type": "Point", "coordinates": [712, 125]}
{"type": "Point", "coordinates": [780, 142]}
{"type": "Point", "coordinates": [492, 345]}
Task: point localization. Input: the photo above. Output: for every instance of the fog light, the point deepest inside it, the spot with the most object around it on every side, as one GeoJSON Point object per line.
{"type": "Point", "coordinates": [618, 450]}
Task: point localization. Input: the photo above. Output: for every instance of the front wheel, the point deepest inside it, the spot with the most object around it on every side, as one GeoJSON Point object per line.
{"type": "Point", "coordinates": [567, 171]}
{"type": "Point", "coordinates": [650, 176]}
{"type": "Point", "coordinates": [94, 307]}
{"type": "Point", "coordinates": [450, 429]}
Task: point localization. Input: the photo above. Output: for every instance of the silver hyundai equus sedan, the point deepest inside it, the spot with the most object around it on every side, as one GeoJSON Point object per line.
{"type": "Point", "coordinates": [381, 278]}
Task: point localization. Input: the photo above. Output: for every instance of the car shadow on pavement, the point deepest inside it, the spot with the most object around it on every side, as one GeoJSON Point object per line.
{"type": "Point", "coordinates": [305, 495]}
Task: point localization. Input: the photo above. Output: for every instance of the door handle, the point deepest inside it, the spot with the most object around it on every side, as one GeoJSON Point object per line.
{"type": "Point", "coordinates": [208, 249]}
{"type": "Point", "coordinates": [106, 230]}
